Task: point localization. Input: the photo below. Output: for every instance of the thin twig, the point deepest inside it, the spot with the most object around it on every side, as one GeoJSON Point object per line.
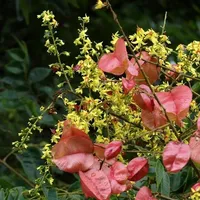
{"type": "Point", "coordinates": [9, 154]}
{"type": "Point", "coordinates": [152, 131]}
{"type": "Point", "coordinates": [164, 24]}
{"type": "Point", "coordinates": [172, 70]}
{"type": "Point", "coordinates": [138, 151]}
{"type": "Point", "coordinates": [17, 173]}
{"type": "Point", "coordinates": [59, 60]}
{"type": "Point", "coordinates": [143, 73]}
{"type": "Point", "coordinates": [120, 117]}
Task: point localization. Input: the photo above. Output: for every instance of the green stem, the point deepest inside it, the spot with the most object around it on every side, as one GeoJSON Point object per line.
{"type": "Point", "coordinates": [138, 151]}
{"type": "Point", "coordinates": [17, 173]}
{"type": "Point", "coordinates": [120, 117]}
{"type": "Point", "coordinates": [59, 60]}
{"type": "Point", "coordinates": [164, 24]}
{"type": "Point", "coordinates": [152, 131]}
{"type": "Point", "coordinates": [30, 130]}
{"type": "Point", "coordinates": [9, 154]}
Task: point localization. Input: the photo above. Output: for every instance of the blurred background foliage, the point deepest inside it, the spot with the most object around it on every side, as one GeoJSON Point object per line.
{"type": "Point", "coordinates": [26, 81]}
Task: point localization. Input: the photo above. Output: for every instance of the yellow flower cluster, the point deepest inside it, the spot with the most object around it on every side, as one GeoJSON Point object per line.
{"type": "Point", "coordinates": [90, 73]}
{"type": "Point", "coordinates": [194, 51]}
{"type": "Point", "coordinates": [46, 153]}
{"type": "Point", "coordinates": [48, 18]}
{"type": "Point", "coordinates": [195, 196]}
{"type": "Point", "coordinates": [158, 48]}
{"type": "Point", "coordinates": [188, 58]}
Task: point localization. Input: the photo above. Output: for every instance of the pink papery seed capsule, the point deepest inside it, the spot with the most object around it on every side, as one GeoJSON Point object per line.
{"type": "Point", "coordinates": [113, 149]}
{"type": "Point", "coordinates": [195, 187]}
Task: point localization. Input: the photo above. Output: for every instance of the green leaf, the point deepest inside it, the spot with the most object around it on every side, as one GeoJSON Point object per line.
{"type": "Point", "coordinates": [75, 197]}
{"type": "Point", "coordinates": [38, 74]}
{"type": "Point", "coordinates": [25, 8]}
{"type": "Point", "coordinates": [165, 185]}
{"type": "Point", "coordinates": [30, 160]}
{"type": "Point", "coordinates": [12, 81]}
{"type": "Point", "coordinates": [4, 183]}
{"type": "Point", "coordinates": [189, 179]}
{"type": "Point", "coordinates": [196, 87]}
{"type": "Point", "coordinates": [24, 49]}
{"type": "Point", "coordinates": [2, 194]}
{"type": "Point", "coordinates": [47, 120]}
{"type": "Point", "coordinates": [73, 3]}
{"type": "Point", "coordinates": [52, 194]}
{"type": "Point", "coordinates": [14, 70]}
{"type": "Point", "coordinates": [162, 179]}
{"type": "Point", "coordinates": [16, 193]}
{"type": "Point", "coordinates": [14, 67]}
{"type": "Point", "coordinates": [47, 91]}
{"type": "Point", "coordinates": [12, 194]}
{"type": "Point", "coordinates": [159, 173]}
{"type": "Point", "coordinates": [75, 186]}
{"type": "Point", "coordinates": [179, 179]}
{"type": "Point", "coordinates": [114, 197]}
{"type": "Point", "coordinates": [9, 95]}
{"type": "Point", "coordinates": [16, 54]}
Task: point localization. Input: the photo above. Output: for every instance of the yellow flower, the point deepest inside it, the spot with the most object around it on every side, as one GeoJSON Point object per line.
{"type": "Point", "coordinates": [100, 5]}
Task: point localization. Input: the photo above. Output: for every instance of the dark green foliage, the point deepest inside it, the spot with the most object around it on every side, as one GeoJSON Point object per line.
{"type": "Point", "coordinates": [30, 161]}
{"type": "Point", "coordinates": [12, 194]}
{"type": "Point", "coordinates": [162, 179]}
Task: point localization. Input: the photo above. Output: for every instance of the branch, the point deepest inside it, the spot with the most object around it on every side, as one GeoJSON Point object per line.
{"type": "Point", "coordinates": [17, 173]}
{"type": "Point", "coordinates": [143, 73]}
{"type": "Point", "coordinates": [120, 117]}
{"type": "Point", "coordinates": [172, 70]}
{"type": "Point", "coordinates": [58, 57]}
{"type": "Point", "coordinates": [152, 131]}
